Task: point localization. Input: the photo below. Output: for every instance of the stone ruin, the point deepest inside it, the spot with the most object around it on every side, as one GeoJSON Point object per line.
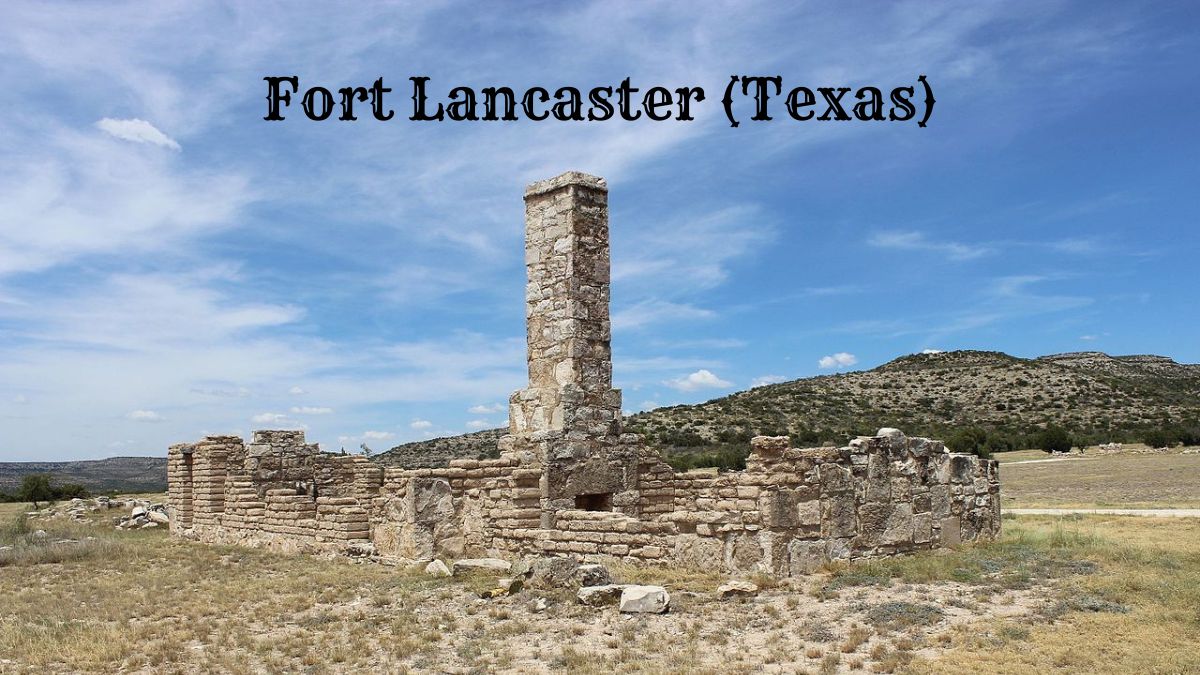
{"type": "Point", "coordinates": [568, 480]}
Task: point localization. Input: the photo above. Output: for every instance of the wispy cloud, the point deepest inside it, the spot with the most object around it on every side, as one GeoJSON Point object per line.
{"type": "Point", "coordinates": [918, 241]}
{"type": "Point", "coordinates": [649, 312]}
{"type": "Point", "coordinates": [137, 131]}
{"type": "Point", "coordinates": [144, 416]}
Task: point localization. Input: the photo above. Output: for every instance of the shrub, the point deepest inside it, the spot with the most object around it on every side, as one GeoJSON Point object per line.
{"type": "Point", "coordinates": [1158, 438]}
{"type": "Point", "coordinates": [1053, 439]}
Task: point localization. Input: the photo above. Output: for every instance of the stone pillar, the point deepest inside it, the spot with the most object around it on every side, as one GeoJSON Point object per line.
{"type": "Point", "coordinates": [569, 416]}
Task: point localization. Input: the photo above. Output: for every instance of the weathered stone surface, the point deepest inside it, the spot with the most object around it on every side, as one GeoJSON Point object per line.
{"type": "Point", "coordinates": [437, 568]}
{"type": "Point", "coordinates": [470, 565]}
{"type": "Point", "coordinates": [592, 575]}
{"type": "Point", "coordinates": [806, 557]}
{"type": "Point", "coordinates": [598, 596]}
{"type": "Point", "coordinates": [733, 589]}
{"type": "Point", "coordinates": [555, 572]}
{"type": "Point", "coordinates": [644, 599]}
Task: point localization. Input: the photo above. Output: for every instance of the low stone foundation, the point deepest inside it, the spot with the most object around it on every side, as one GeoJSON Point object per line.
{"type": "Point", "coordinates": [568, 480]}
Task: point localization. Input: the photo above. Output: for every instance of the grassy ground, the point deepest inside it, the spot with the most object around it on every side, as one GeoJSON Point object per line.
{"type": "Point", "coordinates": [1082, 594]}
{"type": "Point", "coordinates": [1115, 481]}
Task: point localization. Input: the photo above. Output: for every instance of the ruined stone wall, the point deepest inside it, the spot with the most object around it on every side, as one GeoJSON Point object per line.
{"type": "Point", "coordinates": [568, 480]}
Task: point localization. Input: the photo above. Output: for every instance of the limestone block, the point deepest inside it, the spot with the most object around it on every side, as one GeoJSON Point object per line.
{"type": "Point", "coordinates": [598, 596]}
{"type": "Point", "coordinates": [736, 589]}
{"type": "Point", "coordinates": [469, 565]}
{"type": "Point", "coordinates": [805, 557]}
{"type": "Point", "coordinates": [838, 516]}
{"type": "Point", "coordinates": [922, 528]}
{"type": "Point", "coordinates": [644, 599]}
{"type": "Point", "coordinates": [834, 479]}
{"type": "Point", "coordinates": [700, 552]}
{"type": "Point", "coordinates": [951, 532]}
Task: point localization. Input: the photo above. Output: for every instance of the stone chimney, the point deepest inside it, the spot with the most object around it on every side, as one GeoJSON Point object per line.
{"type": "Point", "coordinates": [566, 310]}
{"type": "Point", "coordinates": [569, 417]}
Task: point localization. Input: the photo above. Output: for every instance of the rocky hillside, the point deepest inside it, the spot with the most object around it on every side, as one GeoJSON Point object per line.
{"type": "Point", "coordinates": [122, 474]}
{"type": "Point", "coordinates": [1093, 395]}
{"type": "Point", "coordinates": [439, 451]}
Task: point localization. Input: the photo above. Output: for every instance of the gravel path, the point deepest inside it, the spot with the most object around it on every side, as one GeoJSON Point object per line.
{"type": "Point", "coordinates": [1162, 513]}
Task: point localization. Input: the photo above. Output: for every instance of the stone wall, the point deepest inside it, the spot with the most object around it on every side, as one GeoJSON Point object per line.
{"type": "Point", "coordinates": [568, 480]}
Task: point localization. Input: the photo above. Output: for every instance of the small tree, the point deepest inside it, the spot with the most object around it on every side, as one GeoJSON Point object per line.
{"type": "Point", "coordinates": [36, 488]}
{"type": "Point", "coordinates": [1053, 439]}
{"type": "Point", "coordinates": [970, 439]}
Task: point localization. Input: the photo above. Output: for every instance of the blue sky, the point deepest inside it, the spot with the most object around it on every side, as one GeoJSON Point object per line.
{"type": "Point", "coordinates": [171, 265]}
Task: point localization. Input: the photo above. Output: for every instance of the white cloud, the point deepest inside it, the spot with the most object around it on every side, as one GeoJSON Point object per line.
{"type": "Point", "coordinates": [378, 435]}
{"type": "Point", "coordinates": [20, 399]}
{"type": "Point", "coordinates": [421, 425]}
{"type": "Point", "coordinates": [649, 405]}
{"type": "Point", "coordinates": [296, 391]}
{"type": "Point", "coordinates": [479, 424]}
{"type": "Point", "coordinates": [311, 410]}
{"type": "Point", "coordinates": [701, 379]}
{"type": "Point", "coordinates": [767, 379]}
{"type": "Point", "coordinates": [917, 241]}
{"type": "Point", "coordinates": [269, 418]}
{"type": "Point", "coordinates": [136, 130]}
{"type": "Point", "coordinates": [1088, 338]}
{"type": "Point", "coordinates": [931, 351]}
{"type": "Point", "coordinates": [838, 360]}
{"type": "Point", "coordinates": [144, 416]}
{"type": "Point", "coordinates": [486, 409]}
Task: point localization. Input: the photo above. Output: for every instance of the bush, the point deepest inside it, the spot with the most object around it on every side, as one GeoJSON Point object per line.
{"type": "Point", "coordinates": [1053, 439]}
{"type": "Point", "coordinates": [971, 439]}
{"type": "Point", "coordinates": [1158, 438]}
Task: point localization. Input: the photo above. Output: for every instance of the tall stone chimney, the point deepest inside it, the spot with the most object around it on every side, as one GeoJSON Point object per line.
{"type": "Point", "coordinates": [569, 415]}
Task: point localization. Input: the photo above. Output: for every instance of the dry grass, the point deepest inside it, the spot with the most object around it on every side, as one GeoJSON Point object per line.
{"type": "Point", "coordinates": [1117, 481]}
{"type": "Point", "coordinates": [1080, 595]}
{"type": "Point", "coordinates": [1137, 613]}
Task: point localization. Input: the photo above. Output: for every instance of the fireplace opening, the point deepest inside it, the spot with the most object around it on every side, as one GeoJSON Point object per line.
{"type": "Point", "coordinates": [597, 502]}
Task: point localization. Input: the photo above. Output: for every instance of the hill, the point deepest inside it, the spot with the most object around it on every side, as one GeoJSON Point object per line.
{"type": "Point", "coordinates": [122, 474]}
{"type": "Point", "coordinates": [1096, 397]}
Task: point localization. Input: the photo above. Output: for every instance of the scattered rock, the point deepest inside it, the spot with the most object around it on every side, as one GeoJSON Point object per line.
{"type": "Point", "coordinates": [138, 512]}
{"type": "Point", "coordinates": [598, 596]}
{"type": "Point", "coordinates": [147, 526]}
{"type": "Point", "coordinates": [644, 599]}
{"type": "Point", "coordinates": [160, 517]}
{"type": "Point", "coordinates": [735, 589]}
{"type": "Point", "coordinates": [469, 565]}
{"type": "Point", "coordinates": [511, 584]}
{"type": "Point", "coordinates": [360, 549]}
{"type": "Point", "coordinates": [553, 572]}
{"type": "Point", "coordinates": [437, 568]}
{"type": "Point", "coordinates": [889, 432]}
{"type": "Point", "coordinates": [592, 575]}
{"type": "Point", "coordinates": [39, 534]}
{"type": "Point", "coordinates": [539, 605]}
